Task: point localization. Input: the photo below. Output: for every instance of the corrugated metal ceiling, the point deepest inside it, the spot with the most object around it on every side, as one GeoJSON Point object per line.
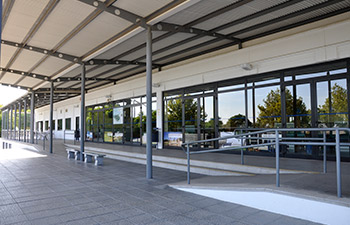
{"type": "Point", "coordinates": [79, 28]}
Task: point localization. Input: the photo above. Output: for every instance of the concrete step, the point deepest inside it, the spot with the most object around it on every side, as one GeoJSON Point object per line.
{"type": "Point", "coordinates": [197, 166]}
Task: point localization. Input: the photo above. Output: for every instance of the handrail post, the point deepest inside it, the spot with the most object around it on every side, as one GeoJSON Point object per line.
{"type": "Point", "coordinates": [337, 156]}
{"type": "Point", "coordinates": [277, 158]}
{"type": "Point", "coordinates": [188, 164]}
{"type": "Point", "coordinates": [324, 153]}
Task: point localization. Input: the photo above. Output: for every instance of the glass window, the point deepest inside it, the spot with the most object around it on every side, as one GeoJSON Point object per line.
{"type": "Point", "coordinates": [268, 107]}
{"type": "Point", "coordinates": [68, 124]}
{"type": "Point", "coordinates": [53, 124]}
{"type": "Point", "coordinates": [311, 75]}
{"type": "Point", "coordinates": [173, 122]}
{"type": "Point", "coordinates": [59, 124]}
{"type": "Point", "coordinates": [236, 86]}
{"type": "Point", "coordinates": [231, 111]}
{"type": "Point", "coordinates": [46, 125]}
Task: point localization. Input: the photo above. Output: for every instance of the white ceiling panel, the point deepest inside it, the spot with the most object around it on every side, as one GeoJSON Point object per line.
{"type": "Point", "coordinates": [10, 78]}
{"type": "Point", "coordinates": [98, 31]}
{"type": "Point", "coordinates": [26, 59]}
{"type": "Point", "coordinates": [6, 54]}
{"type": "Point", "coordinates": [141, 7]}
{"type": "Point", "coordinates": [101, 70]}
{"type": "Point", "coordinates": [73, 73]}
{"type": "Point", "coordinates": [182, 47]}
{"type": "Point", "coordinates": [120, 70]}
{"type": "Point", "coordinates": [51, 66]}
{"type": "Point", "coordinates": [197, 11]}
{"type": "Point", "coordinates": [29, 82]}
{"type": "Point", "coordinates": [61, 21]}
{"type": "Point", "coordinates": [23, 15]}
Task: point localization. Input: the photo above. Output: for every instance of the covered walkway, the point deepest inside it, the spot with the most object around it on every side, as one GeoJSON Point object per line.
{"type": "Point", "coordinates": [54, 190]}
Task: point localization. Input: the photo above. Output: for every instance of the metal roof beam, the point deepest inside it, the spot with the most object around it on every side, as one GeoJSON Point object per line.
{"type": "Point", "coordinates": [58, 90]}
{"type": "Point", "coordinates": [16, 86]}
{"type": "Point", "coordinates": [26, 74]}
{"type": "Point", "coordinates": [119, 12]}
{"type": "Point", "coordinates": [67, 79]}
{"type": "Point", "coordinates": [112, 62]}
{"type": "Point", "coordinates": [162, 26]}
{"type": "Point", "coordinates": [102, 62]}
{"type": "Point", "coordinates": [60, 55]}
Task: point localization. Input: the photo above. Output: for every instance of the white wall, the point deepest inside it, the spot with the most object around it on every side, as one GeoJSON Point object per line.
{"type": "Point", "coordinates": [321, 44]}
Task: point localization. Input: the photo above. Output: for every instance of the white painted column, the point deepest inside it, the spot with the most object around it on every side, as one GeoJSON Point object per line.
{"type": "Point", "coordinates": [159, 95]}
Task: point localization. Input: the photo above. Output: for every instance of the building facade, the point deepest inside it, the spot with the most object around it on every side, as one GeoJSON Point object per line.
{"type": "Point", "coordinates": [294, 79]}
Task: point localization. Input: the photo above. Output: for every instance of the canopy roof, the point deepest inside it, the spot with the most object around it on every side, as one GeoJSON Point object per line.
{"type": "Point", "coordinates": [48, 40]}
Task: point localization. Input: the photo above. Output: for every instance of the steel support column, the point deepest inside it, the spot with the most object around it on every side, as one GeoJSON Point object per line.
{"type": "Point", "coordinates": [19, 120]}
{"type": "Point", "coordinates": [149, 172]}
{"type": "Point", "coordinates": [32, 117]}
{"type": "Point", "coordinates": [51, 117]}
{"type": "Point", "coordinates": [14, 127]}
{"type": "Point", "coordinates": [25, 121]}
{"type": "Point", "coordinates": [82, 112]}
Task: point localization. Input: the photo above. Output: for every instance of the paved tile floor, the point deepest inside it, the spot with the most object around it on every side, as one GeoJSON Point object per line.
{"type": "Point", "coordinates": [55, 190]}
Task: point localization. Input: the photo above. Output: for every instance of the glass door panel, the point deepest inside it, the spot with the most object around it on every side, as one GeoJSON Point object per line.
{"type": "Point", "coordinates": [136, 125]}
{"type": "Point", "coordinates": [332, 108]}
{"type": "Point", "coordinates": [127, 125]}
{"type": "Point", "coordinates": [207, 120]}
{"type": "Point", "coordinates": [101, 127]}
{"type": "Point", "coordinates": [173, 122]}
{"type": "Point", "coordinates": [191, 119]}
{"type": "Point", "coordinates": [298, 110]}
{"type": "Point", "coordinates": [231, 107]}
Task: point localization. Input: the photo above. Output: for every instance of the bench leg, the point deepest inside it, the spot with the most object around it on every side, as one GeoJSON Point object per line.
{"type": "Point", "coordinates": [70, 155]}
{"type": "Point", "coordinates": [88, 159]}
{"type": "Point", "coordinates": [98, 161]}
{"type": "Point", "coordinates": [77, 155]}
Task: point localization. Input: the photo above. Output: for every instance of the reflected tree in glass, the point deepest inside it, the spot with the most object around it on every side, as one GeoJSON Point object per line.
{"type": "Point", "coordinates": [270, 111]}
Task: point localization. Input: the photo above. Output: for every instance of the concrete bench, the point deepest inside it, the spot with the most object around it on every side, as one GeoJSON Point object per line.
{"type": "Point", "coordinates": [97, 156]}
{"type": "Point", "coordinates": [73, 153]}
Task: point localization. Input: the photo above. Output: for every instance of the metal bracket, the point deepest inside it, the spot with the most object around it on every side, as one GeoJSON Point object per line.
{"type": "Point", "coordinates": [122, 13]}
{"type": "Point", "coordinates": [60, 55]}
{"type": "Point", "coordinates": [32, 75]}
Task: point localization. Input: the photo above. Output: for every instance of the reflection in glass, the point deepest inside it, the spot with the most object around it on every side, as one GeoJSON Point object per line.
{"type": "Point", "coordinates": [298, 110]}
{"type": "Point", "coordinates": [231, 111]}
{"type": "Point", "coordinates": [191, 119]}
{"type": "Point", "coordinates": [207, 120]}
{"type": "Point", "coordinates": [173, 122]}
{"type": "Point", "coordinates": [268, 107]}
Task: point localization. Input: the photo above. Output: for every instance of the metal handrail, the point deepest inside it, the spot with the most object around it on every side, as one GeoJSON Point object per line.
{"type": "Point", "coordinates": [277, 142]}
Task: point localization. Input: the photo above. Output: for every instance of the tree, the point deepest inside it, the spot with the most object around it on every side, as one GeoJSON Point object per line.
{"type": "Point", "coordinates": [174, 113]}
{"type": "Point", "coordinates": [339, 105]}
{"type": "Point", "coordinates": [236, 121]}
{"type": "Point", "coordinates": [270, 111]}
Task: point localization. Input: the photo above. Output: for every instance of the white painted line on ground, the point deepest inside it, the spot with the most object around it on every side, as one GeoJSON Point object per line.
{"type": "Point", "coordinates": [305, 209]}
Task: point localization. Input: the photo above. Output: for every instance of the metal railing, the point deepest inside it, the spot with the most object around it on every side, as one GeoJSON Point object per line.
{"type": "Point", "coordinates": [276, 141]}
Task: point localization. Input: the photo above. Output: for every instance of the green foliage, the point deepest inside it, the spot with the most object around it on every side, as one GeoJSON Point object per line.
{"type": "Point", "coordinates": [339, 105]}
{"type": "Point", "coordinates": [270, 112]}
{"type": "Point", "coordinates": [174, 113]}
{"type": "Point", "coordinates": [235, 122]}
